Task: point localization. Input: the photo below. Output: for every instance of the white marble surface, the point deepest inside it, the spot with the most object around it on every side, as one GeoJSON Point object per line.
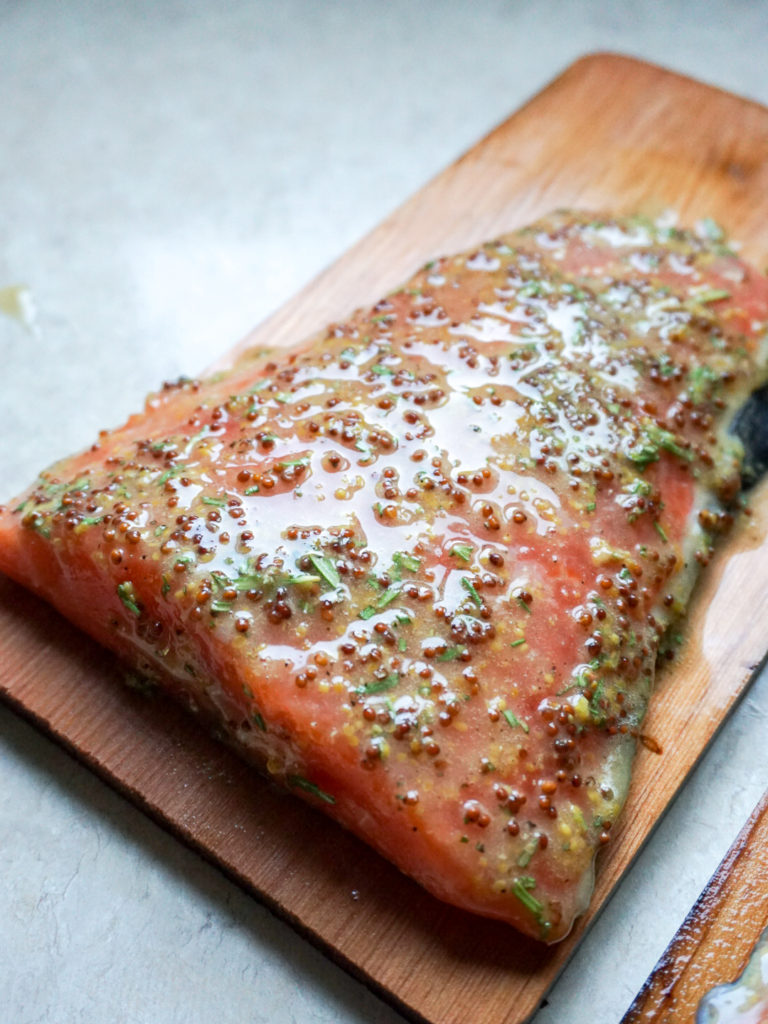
{"type": "Point", "coordinates": [170, 173]}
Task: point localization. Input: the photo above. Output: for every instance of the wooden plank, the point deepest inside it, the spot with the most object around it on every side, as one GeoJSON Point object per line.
{"type": "Point", "coordinates": [611, 133]}
{"type": "Point", "coordinates": [716, 940]}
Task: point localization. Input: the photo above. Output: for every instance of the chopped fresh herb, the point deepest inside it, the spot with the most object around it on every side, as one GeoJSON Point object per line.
{"type": "Point", "coordinates": [521, 601]}
{"type": "Point", "coordinates": [382, 371]}
{"type": "Point", "coordinates": [644, 455]}
{"type": "Point", "coordinates": [514, 721]}
{"type": "Point", "coordinates": [299, 782]}
{"type": "Point", "coordinates": [595, 704]}
{"type": "Point", "coordinates": [245, 581]}
{"type": "Point", "coordinates": [479, 847]}
{"type": "Point", "coordinates": [402, 644]}
{"type": "Point", "coordinates": [660, 530]}
{"type": "Point", "coordinates": [367, 613]}
{"type": "Point", "coordinates": [591, 506]}
{"type": "Point", "coordinates": [326, 568]}
{"type": "Point", "coordinates": [657, 437]}
{"type": "Point", "coordinates": [667, 441]}
{"type": "Point", "coordinates": [298, 578]}
{"type": "Point", "coordinates": [712, 295]}
{"type": "Point", "coordinates": [387, 597]}
{"type": "Point", "coordinates": [251, 490]}
{"type": "Point", "coordinates": [166, 585]}
{"type": "Point", "coordinates": [405, 561]}
{"type": "Point", "coordinates": [532, 288]}
{"type": "Point", "coordinates": [221, 606]}
{"type": "Point", "coordinates": [82, 484]}
{"type": "Point", "coordinates": [516, 643]}
{"type": "Point", "coordinates": [666, 366]}
{"type": "Point", "coordinates": [256, 716]}
{"type": "Point", "coordinates": [127, 596]}
{"type": "Point", "coordinates": [702, 380]}
{"type": "Point", "coordinates": [527, 854]}
{"type": "Point", "coordinates": [640, 487]}
{"type": "Point", "coordinates": [451, 653]}
{"type": "Point", "coordinates": [173, 471]}
{"type": "Point", "coordinates": [91, 520]}
{"type": "Point", "coordinates": [463, 551]}
{"type": "Point", "coordinates": [470, 589]}
{"type": "Point", "coordinates": [380, 685]}
{"type": "Point", "coordinates": [293, 463]}
{"type": "Point", "coordinates": [36, 522]}
{"type": "Point", "coordinates": [218, 502]}
{"type": "Point", "coordinates": [522, 889]}
{"type": "Point", "coordinates": [464, 839]}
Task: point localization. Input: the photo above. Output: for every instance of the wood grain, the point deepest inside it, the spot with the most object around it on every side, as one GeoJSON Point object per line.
{"type": "Point", "coordinates": [611, 133]}
{"type": "Point", "coordinates": [715, 941]}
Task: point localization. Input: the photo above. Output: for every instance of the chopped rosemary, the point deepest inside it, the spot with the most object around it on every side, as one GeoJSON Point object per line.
{"type": "Point", "coordinates": [326, 568]}
{"type": "Point", "coordinates": [514, 721]}
{"type": "Point", "coordinates": [405, 561]}
{"type": "Point", "coordinates": [470, 589]}
{"type": "Point", "coordinates": [522, 889]}
{"type": "Point", "coordinates": [451, 653]}
{"type": "Point", "coordinates": [380, 685]}
{"type": "Point", "coordinates": [299, 782]}
{"type": "Point", "coordinates": [463, 551]}
{"type": "Point", "coordinates": [127, 596]}
{"type": "Point", "coordinates": [712, 295]}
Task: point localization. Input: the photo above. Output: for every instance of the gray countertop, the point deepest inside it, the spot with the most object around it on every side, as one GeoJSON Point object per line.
{"type": "Point", "coordinates": [171, 172]}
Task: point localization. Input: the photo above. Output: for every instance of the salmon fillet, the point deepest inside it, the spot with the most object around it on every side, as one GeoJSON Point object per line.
{"type": "Point", "coordinates": [420, 568]}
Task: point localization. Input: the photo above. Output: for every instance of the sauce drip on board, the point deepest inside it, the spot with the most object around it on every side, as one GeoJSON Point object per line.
{"type": "Point", "coordinates": [744, 1001]}
{"type": "Point", "coordinates": [421, 568]}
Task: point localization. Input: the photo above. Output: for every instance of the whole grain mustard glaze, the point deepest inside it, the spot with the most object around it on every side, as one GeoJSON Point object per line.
{"type": "Point", "coordinates": [421, 568]}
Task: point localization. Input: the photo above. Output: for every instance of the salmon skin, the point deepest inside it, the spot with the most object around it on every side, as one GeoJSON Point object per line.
{"type": "Point", "coordinates": [420, 568]}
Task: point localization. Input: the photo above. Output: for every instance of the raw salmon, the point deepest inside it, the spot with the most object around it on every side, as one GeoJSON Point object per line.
{"type": "Point", "coordinates": [421, 567]}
